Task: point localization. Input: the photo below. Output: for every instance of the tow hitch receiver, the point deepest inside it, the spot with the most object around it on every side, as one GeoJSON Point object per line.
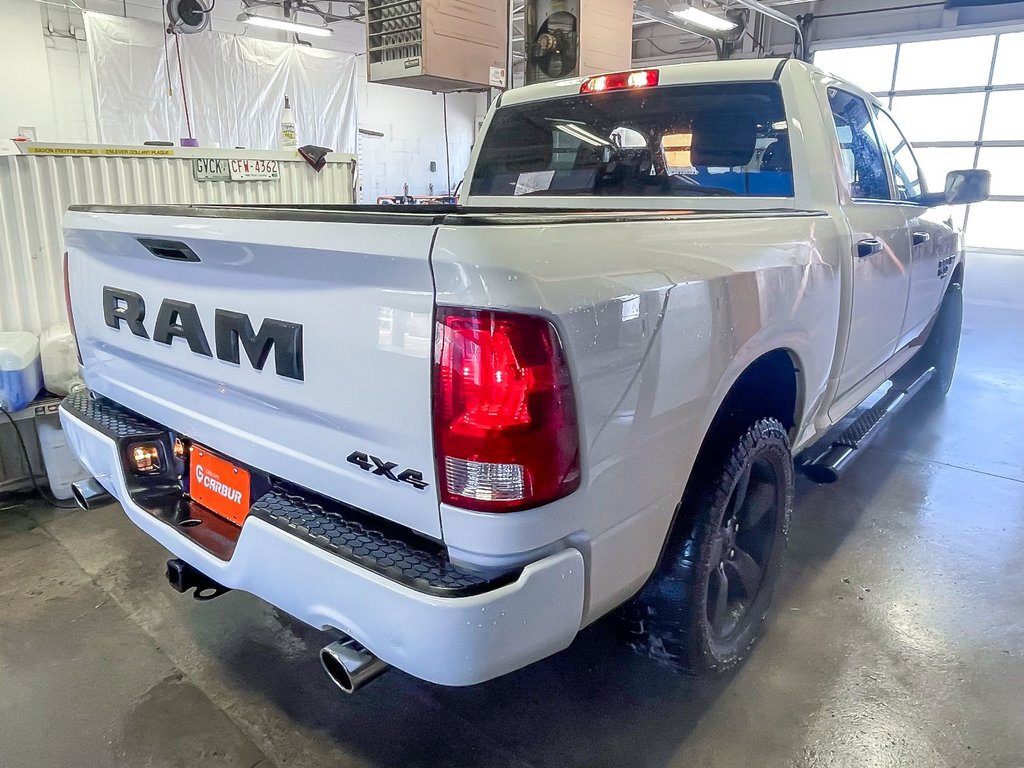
{"type": "Point", "coordinates": [183, 577]}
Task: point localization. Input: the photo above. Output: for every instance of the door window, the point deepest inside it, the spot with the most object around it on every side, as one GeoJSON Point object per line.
{"type": "Point", "coordinates": [862, 153]}
{"type": "Point", "coordinates": [905, 169]}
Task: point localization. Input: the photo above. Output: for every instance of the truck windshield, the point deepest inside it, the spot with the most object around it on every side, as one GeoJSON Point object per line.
{"type": "Point", "coordinates": [722, 139]}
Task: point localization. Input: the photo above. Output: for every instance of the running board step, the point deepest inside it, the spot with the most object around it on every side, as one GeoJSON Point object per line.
{"type": "Point", "coordinates": [829, 464]}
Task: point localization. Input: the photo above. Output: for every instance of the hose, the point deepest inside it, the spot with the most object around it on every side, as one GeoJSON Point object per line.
{"type": "Point", "coordinates": [48, 497]}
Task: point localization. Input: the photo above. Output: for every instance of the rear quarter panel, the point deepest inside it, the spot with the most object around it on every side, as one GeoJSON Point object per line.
{"type": "Point", "coordinates": [658, 318]}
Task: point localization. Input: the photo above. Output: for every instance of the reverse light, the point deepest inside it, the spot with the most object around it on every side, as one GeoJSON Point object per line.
{"type": "Point", "coordinates": [505, 429]}
{"type": "Point", "coordinates": [145, 458]}
{"type": "Point", "coordinates": [618, 81]}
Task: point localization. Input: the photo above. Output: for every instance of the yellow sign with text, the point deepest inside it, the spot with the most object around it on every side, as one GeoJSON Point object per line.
{"type": "Point", "coordinates": [103, 151]}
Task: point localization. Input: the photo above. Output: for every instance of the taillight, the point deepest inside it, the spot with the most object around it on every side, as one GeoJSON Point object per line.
{"type": "Point", "coordinates": [67, 303]}
{"type": "Point", "coordinates": [640, 78]}
{"type": "Point", "coordinates": [505, 432]}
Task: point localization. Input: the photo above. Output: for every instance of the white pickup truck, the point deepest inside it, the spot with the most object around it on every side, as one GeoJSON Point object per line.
{"type": "Point", "coordinates": [454, 437]}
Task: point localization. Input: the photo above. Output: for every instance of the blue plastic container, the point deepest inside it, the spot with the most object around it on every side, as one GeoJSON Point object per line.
{"type": "Point", "coordinates": [21, 373]}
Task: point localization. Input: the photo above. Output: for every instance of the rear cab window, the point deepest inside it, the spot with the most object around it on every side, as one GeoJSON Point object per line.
{"type": "Point", "coordinates": [726, 139]}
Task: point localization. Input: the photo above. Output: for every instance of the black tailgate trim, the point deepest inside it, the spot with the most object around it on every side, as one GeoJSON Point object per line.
{"type": "Point", "coordinates": [423, 215]}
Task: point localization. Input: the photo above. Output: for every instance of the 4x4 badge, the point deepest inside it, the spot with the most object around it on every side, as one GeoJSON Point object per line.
{"type": "Point", "coordinates": [385, 469]}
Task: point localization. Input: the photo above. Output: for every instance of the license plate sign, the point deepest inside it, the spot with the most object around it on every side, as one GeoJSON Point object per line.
{"type": "Point", "coordinates": [254, 170]}
{"type": "Point", "coordinates": [218, 485]}
{"type": "Point", "coordinates": [210, 169]}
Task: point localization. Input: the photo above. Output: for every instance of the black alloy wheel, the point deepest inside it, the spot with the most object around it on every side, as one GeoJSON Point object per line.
{"type": "Point", "coordinates": [743, 549]}
{"type": "Point", "coordinates": [703, 608]}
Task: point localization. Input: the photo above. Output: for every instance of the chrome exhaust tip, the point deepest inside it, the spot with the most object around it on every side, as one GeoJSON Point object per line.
{"type": "Point", "coordinates": [350, 666]}
{"type": "Point", "coordinates": [89, 494]}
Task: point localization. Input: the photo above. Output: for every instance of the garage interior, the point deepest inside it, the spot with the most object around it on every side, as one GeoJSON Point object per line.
{"type": "Point", "coordinates": [897, 635]}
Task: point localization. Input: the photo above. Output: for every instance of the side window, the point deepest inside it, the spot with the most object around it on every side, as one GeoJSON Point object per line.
{"type": "Point", "coordinates": [905, 169]}
{"type": "Point", "coordinates": [862, 153]}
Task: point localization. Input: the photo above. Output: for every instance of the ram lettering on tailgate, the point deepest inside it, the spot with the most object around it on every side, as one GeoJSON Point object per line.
{"type": "Point", "coordinates": [231, 331]}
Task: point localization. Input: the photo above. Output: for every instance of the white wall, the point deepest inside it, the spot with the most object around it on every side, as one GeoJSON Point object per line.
{"type": "Point", "coordinates": [413, 126]}
{"type": "Point", "coordinates": [70, 88]}
{"type": "Point", "coordinates": [53, 91]}
{"type": "Point", "coordinates": [24, 68]}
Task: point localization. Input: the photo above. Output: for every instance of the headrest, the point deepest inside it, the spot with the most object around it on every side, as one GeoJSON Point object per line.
{"type": "Point", "coordinates": [723, 141]}
{"type": "Point", "coordinates": [778, 157]}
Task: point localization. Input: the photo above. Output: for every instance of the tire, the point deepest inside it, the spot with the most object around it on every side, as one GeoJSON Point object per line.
{"type": "Point", "coordinates": [943, 344]}
{"type": "Point", "coordinates": [679, 618]}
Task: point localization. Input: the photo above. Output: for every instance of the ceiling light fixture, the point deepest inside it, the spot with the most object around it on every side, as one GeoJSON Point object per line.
{"type": "Point", "coordinates": [703, 19]}
{"type": "Point", "coordinates": [666, 18]}
{"type": "Point", "coordinates": [288, 26]}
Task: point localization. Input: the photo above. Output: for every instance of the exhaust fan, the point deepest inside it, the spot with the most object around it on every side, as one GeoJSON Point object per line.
{"type": "Point", "coordinates": [554, 51]}
{"type": "Point", "coordinates": [187, 17]}
{"type": "Point", "coordinates": [573, 38]}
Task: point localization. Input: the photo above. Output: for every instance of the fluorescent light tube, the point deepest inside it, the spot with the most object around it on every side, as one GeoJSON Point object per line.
{"type": "Point", "coordinates": [289, 26]}
{"type": "Point", "coordinates": [579, 133]}
{"type": "Point", "coordinates": [588, 136]}
{"type": "Point", "coordinates": [703, 19]}
{"type": "Point", "coordinates": [565, 129]}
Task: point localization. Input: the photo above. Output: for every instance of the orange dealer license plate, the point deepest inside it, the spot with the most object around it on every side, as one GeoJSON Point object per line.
{"type": "Point", "coordinates": [218, 485]}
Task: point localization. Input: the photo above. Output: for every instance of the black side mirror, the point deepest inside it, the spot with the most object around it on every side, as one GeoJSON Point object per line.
{"type": "Point", "coordinates": [963, 187]}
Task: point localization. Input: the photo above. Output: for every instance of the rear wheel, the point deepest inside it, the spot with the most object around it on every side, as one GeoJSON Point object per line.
{"type": "Point", "coordinates": [703, 609]}
{"type": "Point", "coordinates": [943, 344]}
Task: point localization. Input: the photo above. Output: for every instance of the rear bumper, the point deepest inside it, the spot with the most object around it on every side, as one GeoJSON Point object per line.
{"type": "Point", "coordinates": [446, 640]}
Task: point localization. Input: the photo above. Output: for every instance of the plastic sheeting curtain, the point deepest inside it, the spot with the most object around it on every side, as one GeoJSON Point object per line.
{"type": "Point", "coordinates": [235, 87]}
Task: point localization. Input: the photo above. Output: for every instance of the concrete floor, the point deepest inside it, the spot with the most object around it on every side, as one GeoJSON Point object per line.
{"type": "Point", "coordinates": [897, 638]}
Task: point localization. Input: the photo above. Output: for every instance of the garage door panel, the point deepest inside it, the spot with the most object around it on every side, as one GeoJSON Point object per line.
{"type": "Point", "coordinates": [950, 63]}
{"type": "Point", "coordinates": [995, 225]}
{"type": "Point", "coordinates": [946, 117]}
{"type": "Point", "coordinates": [1010, 60]}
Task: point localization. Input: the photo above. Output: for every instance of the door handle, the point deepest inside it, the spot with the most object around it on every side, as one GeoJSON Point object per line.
{"type": "Point", "coordinates": [869, 247]}
{"type": "Point", "coordinates": [920, 238]}
{"type": "Point", "coordinates": [172, 250]}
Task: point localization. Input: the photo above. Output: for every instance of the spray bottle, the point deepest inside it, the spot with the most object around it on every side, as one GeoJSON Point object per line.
{"type": "Point", "coordinates": [288, 137]}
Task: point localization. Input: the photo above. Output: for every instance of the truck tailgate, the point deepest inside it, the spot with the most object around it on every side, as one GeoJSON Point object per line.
{"type": "Point", "coordinates": [358, 382]}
